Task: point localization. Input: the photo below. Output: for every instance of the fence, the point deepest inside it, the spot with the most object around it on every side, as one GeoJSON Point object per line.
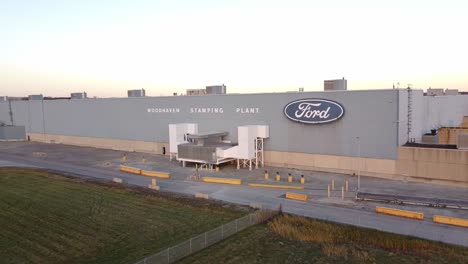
{"type": "Point", "coordinates": [209, 238]}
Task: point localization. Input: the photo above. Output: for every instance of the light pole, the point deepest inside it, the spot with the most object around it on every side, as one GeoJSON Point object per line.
{"type": "Point", "coordinates": [359, 164]}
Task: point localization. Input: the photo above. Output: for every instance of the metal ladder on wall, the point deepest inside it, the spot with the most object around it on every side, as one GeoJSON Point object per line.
{"type": "Point", "coordinates": [410, 112]}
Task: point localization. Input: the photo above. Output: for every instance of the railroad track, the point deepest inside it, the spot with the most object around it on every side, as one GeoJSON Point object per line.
{"type": "Point", "coordinates": [412, 200]}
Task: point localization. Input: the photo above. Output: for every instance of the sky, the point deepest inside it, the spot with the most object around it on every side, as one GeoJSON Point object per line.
{"type": "Point", "coordinates": [106, 47]}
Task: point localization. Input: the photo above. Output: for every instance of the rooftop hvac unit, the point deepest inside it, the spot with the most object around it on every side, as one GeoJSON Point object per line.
{"type": "Point", "coordinates": [136, 93]}
{"type": "Point", "coordinates": [216, 89]}
{"type": "Point", "coordinates": [36, 97]}
{"type": "Point", "coordinates": [435, 92]}
{"type": "Point", "coordinates": [82, 95]}
{"type": "Point", "coordinates": [462, 141]}
{"type": "Point", "coordinates": [335, 85]}
{"type": "Point", "coordinates": [451, 91]}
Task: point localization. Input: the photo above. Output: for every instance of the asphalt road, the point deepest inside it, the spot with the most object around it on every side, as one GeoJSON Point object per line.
{"type": "Point", "coordinates": [270, 198]}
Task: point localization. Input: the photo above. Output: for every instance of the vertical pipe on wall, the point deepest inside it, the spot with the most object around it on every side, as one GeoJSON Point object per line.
{"type": "Point", "coordinates": [29, 116]}
{"type": "Point", "coordinates": [398, 118]}
{"type": "Point", "coordinates": [10, 112]}
{"type": "Point", "coordinates": [43, 120]}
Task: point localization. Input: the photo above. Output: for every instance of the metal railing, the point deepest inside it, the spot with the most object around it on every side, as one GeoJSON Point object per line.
{"type": "Point", "coordinates": [202, 241]}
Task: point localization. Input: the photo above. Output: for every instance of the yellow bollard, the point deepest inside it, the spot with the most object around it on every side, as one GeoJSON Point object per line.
{"type": "Point", "coordinates": [278, 177]}
{"type": "Point", "coordinates": [342, 193]}
{"type": "Point", "coordinates": [143, 160]}
{"type": "Point", "coordinates": [124, 158]}
{"type": "Point", "coordinates": [328, 191]}
{"type": "Point", "coordinates": [333, 185]}
{"type": "Point", "coordinates": [289, 178]}
{"type": "Point", "coordinates": [346, 185]}
{"type": "Point", "coordinates": [217, 168]}
{"type": "Point", "coordinates": [266, 175]}
{"type": "Point", "coordinates": [302, 179]}
{"type": "Point", "coordinates": [153, 182]}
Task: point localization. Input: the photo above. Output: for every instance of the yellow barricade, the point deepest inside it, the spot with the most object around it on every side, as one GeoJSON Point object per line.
{"type": "Point", "coordinates": [450, 220]}
{"type": "Point", "coordinates": [402, 213]}
{"type": "Point", "coordinates": [222, 180]}
{"type": "Point", "coordinates": [130, 169]}
{"type": "Point", "coordinates": [296, 196]}
{"type": "Point", "coordinates": [276, 186]}
{"type": "Point", "coordinates": [158, 174]}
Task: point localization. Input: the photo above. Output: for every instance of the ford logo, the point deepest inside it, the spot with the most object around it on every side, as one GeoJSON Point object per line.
{"type": "Point", "coordinates": [314, 111]}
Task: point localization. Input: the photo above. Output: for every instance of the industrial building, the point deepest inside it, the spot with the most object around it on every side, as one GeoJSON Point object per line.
{"type": "Point", "coordinates": [341, 131]}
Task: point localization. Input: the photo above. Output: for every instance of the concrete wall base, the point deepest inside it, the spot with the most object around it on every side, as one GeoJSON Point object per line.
{"type": "Point", "coordinates": [105, 143]}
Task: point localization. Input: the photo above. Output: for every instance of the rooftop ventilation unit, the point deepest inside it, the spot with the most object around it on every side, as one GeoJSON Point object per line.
{"type": "Point", "coordinates": [36, 97]}
{"type": "Point", "coordinates": [82, 95]}
{"type": "Point", "coordinates": [451, 91]}
{"type": "Point", "coordinates": [196, 91]}
{"type": "Point", "coordinates": [435, 92]}
{"type": "Point", "coordinates": [216, 89]}
{"type": "Point", "coordinates": [136, 93]}
{"type": "Point", "coordinates": [335, 85]}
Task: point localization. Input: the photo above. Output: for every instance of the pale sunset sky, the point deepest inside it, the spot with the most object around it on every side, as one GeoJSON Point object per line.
{"type": "Point", "coordinates": [105, 47]}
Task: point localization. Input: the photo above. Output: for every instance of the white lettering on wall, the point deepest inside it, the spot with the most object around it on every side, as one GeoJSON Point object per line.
{"type": "Point", "coordinates": [206, 110]}
{"type": "Point", "coordinates": [307, 110]}
{"type": "Point", "coordinates": [163, 110]}
{"type": "Point", "coordinates": [247, 110]}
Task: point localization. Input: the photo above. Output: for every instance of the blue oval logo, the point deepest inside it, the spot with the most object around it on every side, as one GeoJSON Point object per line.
{"type": "Point", "coordinates": [314, 111]}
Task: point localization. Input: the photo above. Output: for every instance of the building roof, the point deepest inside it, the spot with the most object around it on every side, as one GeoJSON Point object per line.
{"type": "Point", "coordinates": [207, 135]}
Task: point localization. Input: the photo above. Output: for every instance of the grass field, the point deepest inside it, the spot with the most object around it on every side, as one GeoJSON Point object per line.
{"type": "Point", "coordinates": [293, 239]}
{"type": "Point", "coordinates": [47, 218]}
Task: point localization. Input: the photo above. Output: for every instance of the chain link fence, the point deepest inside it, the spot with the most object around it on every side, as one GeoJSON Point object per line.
{"type": "Point", "coordinates": [197, 243]}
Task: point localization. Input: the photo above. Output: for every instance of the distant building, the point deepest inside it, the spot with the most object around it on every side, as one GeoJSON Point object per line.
{"type": "Point", "coordinates": [335, 85]}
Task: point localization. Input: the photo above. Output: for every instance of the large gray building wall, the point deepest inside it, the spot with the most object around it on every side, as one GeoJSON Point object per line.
{"type": "Point", "coordinates": [370, 115]}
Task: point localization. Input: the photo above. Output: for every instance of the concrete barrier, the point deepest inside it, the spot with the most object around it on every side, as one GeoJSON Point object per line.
{"type": "Point", "coordinates": [201, 195]}
{"type": "Point", "coordinates": [254, 205]}
{"type": "Point", "coordinates": [154, 187]}
{"type": "Point", "coordinates": [222, 180]}
{"type": "Point", "coordinates": [397, 212]}
{"type": "Point", "coordinates": [117, 180]}
{"type": "Point", "coordinates": [275, 186]}
{"type": "Point", "coordinates": [158, 174]}
{"type": "Point", "coordinates": [296, 196]}
{"type": "Point", "coordinates": [450, 220]}
{"type": "Point", "coordinates": [130, 169]}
